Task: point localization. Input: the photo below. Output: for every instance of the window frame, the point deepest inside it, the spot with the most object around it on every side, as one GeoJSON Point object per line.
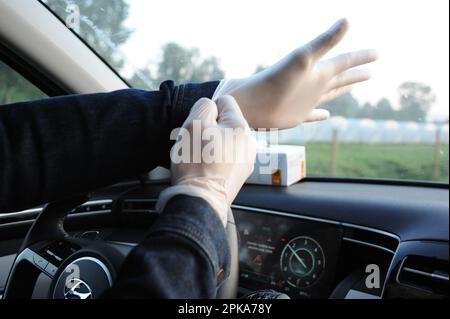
{"type": "Point", "coordinates": [103, 60]}
{"type": "Point", "coordinates": [31, 73]}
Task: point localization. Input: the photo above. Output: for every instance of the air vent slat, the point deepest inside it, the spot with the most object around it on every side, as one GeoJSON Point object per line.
{"type": "Point", "coordinates": [94, 207]}
{"type": "Point", "coordinates": [139, 206]}
{"type": "Point", "coordinates": [430, 274]}
{"type": "Point", "coordinates": [436, 275]}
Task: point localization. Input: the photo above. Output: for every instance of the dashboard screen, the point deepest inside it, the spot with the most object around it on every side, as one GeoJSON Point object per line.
{"type": "Point", "coordinates": [286, 254]}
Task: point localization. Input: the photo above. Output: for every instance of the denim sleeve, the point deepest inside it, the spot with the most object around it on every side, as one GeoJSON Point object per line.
{"type": "Point", "coordinates": [61, 146]}
{"type": "Point", "coordinates": [184, 256]}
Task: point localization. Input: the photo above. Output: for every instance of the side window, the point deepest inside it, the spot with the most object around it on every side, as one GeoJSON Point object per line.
{"type": "Point", "coordinates": [15, 88]}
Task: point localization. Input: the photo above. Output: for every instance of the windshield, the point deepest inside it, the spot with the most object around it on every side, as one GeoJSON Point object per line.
{"type": "Point", "coordinates": [395, 126]}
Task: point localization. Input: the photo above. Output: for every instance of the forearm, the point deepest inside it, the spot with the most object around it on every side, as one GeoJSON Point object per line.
{"type": "Point", "coordinates": [183, 256]}
{"type": "Point", "coordinates": [57, 147]}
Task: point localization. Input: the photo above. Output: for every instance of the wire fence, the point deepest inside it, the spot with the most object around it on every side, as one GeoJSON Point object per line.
{"type": "Point", "coordinates": [340, 131]}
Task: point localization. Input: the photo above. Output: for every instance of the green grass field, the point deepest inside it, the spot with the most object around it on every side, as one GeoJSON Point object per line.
{"type": "Point", "coordinates": [409, 162]}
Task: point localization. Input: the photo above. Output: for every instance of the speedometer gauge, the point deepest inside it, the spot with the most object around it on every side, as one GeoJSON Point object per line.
{"type": "Point", "coordinates": [302, 262]}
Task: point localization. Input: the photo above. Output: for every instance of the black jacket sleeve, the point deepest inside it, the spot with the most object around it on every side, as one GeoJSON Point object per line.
{"type": "Point", "coordinates": [58, 147]}
{"type": "Point", "coordinates": [185, 255]}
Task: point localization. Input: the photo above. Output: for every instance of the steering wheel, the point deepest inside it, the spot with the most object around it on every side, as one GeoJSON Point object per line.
{"type": "Point", "coordinates": [81, 268]}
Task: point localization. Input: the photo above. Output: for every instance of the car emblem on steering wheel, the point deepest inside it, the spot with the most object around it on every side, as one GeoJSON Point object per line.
{"type": "Point", "coordinates": [77, 289]}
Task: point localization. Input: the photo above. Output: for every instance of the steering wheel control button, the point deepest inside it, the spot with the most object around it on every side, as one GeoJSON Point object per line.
{"type": "Point", "coordinates": [84, 278]}
{"type": "Point", "coordinates": [51, 269]}
{"type": "Point", "coordinates": [40, 261]}
{"type": "Point", "coordinates": [58, 251]}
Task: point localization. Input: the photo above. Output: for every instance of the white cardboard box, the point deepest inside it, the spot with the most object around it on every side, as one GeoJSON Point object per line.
{"type": "Point", "coordinates": [279, 165]}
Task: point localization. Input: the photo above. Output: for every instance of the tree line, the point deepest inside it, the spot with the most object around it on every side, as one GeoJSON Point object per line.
{"type": "Point", "coordinates": [415, 102]}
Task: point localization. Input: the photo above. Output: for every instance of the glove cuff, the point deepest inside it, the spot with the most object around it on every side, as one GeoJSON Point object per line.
{"type": "Point", "coordinates": [225, 87]}
{"type": "Point", "coordinates": [215, 198]}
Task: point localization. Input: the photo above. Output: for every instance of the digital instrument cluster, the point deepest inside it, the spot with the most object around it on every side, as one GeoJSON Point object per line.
{"type": "Point", "coordinates": [287, 254]}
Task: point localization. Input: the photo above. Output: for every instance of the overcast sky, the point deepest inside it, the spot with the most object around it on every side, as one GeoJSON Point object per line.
{"type": "Point", "coordinates": [412, 36]}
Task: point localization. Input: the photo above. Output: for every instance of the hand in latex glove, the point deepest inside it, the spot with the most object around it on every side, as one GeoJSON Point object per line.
{"type": "Point", "coordinates": [287, 93]}
{"type": "Point", "coordinates": [215, 168]}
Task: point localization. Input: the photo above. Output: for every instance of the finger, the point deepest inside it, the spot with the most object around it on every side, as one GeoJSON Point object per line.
{"type": "Point", "coordinates": [328, 40]}
{"type": "Point", "coordinates": [350, 60]}
{"type": "Point", "coordinates": [349, 77]}
{"type": "Point", "coordinates": [230, 114]}
{"type": "Point", "coordinates": [318, 115]}
{"type": "Point", "coordinates": [331, 95]}
{"type": "Point", "coordinates": [204, 110]}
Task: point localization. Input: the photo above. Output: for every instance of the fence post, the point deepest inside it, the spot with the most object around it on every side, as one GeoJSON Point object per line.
{"type": "Point", "coordinates": [334, 152]}
{"type": "Point", "coordinates": [437, 155]}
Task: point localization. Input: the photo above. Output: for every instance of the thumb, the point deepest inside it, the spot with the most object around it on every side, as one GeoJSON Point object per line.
{"type": "Point", "coordinates": [230, 114]}
{"type": "Point", "coordinates": [204, 110]}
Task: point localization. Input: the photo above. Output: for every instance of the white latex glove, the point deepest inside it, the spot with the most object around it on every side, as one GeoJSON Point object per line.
{"type": "Point", "coordinates": [287, 93]}
{"type": "Point", "coordinates": [219, 178]}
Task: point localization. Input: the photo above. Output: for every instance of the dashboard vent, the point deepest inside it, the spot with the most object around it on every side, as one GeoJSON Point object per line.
{"type": "Point", "coordinates": [425, 273]}
{"type": "Point", "coordinates": [139, 206]}
{"type": "Point", "coordinates": [101, 206]}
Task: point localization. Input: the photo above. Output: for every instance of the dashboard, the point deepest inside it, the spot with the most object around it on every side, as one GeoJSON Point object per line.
{"type": "Point", "coordinates": [313, 240]}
